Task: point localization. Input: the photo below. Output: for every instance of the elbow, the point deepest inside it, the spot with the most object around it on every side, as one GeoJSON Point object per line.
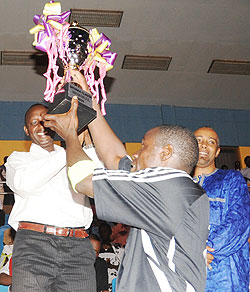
{"type": "Point", "coordinates": [113, 163]}
{"type": "Point", "coordinates": [24, 186]}
{"type": "Point", "coordinates": [85, 187]}
{"type": "Point", "coordinates": [20, 185]}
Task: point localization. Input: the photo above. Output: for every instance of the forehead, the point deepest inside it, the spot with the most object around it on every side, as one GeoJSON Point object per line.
{"type": "Point", "coordinates": [35, 112]}
{"type": "Point", "coordinates": [207, 133]}
{"type": "Point", "coordinates": [150, 135]}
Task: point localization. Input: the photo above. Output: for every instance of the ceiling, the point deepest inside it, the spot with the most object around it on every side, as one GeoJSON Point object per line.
{"type": "Point", "coordinates": [191, 32]}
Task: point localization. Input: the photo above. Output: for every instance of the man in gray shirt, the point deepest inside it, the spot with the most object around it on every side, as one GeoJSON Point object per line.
{"type": "Point", "coordinates": [168, 211]}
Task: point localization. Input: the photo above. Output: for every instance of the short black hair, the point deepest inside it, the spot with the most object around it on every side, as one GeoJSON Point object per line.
{"type": "Point", "coordinates": [29, 109]}
{"type": "Point", "coordinates": [183, 141]}
{"type": "Point", "coordinates": [247, 160]}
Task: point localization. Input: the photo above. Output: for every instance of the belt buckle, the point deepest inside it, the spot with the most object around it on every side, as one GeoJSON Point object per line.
{"type": "Point", "coordinates": [49, 229]}
{"type": "Point", "coordinates": [62, 231]}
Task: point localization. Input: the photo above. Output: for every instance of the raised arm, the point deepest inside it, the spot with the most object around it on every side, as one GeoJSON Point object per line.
{"type": "Point", "coordinates": [108, 146]}
{"type": "Point", "coordinates": [66, 126]}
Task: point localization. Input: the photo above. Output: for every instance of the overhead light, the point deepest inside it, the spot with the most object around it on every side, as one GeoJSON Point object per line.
{"type": "Point", "coordinates": [138, 62]}
{"type": "Point", "coordinates": [230, 67]}
{"type": "Point", "coordinates": [96, 18]}
{"type": "Point", "coordinates": [23, 58]}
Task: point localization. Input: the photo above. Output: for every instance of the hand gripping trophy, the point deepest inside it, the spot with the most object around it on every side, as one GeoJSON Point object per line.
{"type": "Point", "coordinates": [72, 46]}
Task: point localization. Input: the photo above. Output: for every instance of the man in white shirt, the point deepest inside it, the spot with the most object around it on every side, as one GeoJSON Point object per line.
{"type": "Point", "coordinates": [52, 251]}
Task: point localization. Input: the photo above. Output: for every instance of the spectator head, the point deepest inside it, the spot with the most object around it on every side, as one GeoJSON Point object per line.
{"type": "Point", "coordinates": [237, 165]}
{"type": "Point", "coordinates": [247, 161]}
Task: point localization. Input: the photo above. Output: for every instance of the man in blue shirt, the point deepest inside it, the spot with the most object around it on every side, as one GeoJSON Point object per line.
{"type": "Point", "coordinates": [228, 249]}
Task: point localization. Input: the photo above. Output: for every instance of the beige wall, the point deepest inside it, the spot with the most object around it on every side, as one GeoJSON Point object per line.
{"type": "Point", "coordinates": [8, 146]}
{"type": "Point", "coordinates": [131, 148]}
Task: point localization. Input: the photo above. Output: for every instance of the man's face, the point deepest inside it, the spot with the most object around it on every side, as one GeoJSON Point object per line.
{"type": "Point", "coordinates": [208, 147]}
{"type": "Point", "coordinates": [35, 130]}
{"type": "Point", "coordinates": [149, 154]}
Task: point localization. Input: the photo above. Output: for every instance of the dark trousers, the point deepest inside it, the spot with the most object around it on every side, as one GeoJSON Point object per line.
{"type": "Point", "coordinates": [49, 263]}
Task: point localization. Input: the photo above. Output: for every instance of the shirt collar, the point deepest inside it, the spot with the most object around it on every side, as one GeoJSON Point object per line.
{"type": "Point", "coordinates": [196, 178]}
{"type": "Point", "coordinates": [34, 148]}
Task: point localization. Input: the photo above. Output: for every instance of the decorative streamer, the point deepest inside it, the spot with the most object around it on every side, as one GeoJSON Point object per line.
{"type": "Point", "coordinates": [98, 56]}
{"type": "Point", "coordinates": [52, 35]}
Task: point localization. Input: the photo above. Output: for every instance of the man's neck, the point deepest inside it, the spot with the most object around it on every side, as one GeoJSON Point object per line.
{"type": "Point", "coordinates": [204, 170]}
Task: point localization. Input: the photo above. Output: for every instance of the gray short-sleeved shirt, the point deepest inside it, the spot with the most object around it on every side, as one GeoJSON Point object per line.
{"type": "Point", "coordinates": [174, 212]}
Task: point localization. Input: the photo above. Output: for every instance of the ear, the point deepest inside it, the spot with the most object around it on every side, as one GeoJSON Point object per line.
{"type": "Point", "coordinates": [26, 131]}
{"type": "Point", "coordinates": [167, 152]}
{"type": "Point", "coordinates": [217, 152]}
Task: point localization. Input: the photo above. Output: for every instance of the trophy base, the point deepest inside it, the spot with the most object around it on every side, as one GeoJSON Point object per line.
{"type": "Point", "coordinates": [62, 104]}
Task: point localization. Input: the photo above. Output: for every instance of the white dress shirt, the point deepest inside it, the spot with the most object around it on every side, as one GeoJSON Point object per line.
{"type": "Point", "coordinates": [42, 190]}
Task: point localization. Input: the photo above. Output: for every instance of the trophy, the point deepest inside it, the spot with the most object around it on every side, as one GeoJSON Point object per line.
{"type": "Point", "coordinates": [77, 53]}
{"type": "Point", "coordinates": [75, 47]}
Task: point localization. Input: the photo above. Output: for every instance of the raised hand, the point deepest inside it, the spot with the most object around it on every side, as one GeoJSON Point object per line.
{"type": "Point", "coordinates": [78, 78]}
{"type": "Point", "coordinates": [66, 124]}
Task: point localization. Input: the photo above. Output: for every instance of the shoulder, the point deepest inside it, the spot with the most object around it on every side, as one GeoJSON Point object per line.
{"type": "Point", "coordinates": [245, 171]}
{"type": "Point", "coordinates": [148, 175]}
{"type": "Point", "coordinates": [225, 175]}
{"type": "Point", "coordinates": [17, 155]}
{"type": "Point", "coordinates": [23, 154]}
{"type": "Point", "coordinates": [233, 172]}
{"type": "Point", "coordinates": [234, 176]}
{"type": "Point", "coordinates": [160, 173]}
{"type": "Point", "coordinates": [233, 183]}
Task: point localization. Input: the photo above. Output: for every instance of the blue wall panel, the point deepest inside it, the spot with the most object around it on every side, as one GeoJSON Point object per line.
{"type": "Point", "coordinates": [168, 114]}
{"type": "Point", "coordinates": [243, 131]}
{"type": "Point", "coordinates": [130, 122]}
{"type": "Point", "coordinates": [219, 119]}
{"type": "Point", "coordinates": [12, 120]}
